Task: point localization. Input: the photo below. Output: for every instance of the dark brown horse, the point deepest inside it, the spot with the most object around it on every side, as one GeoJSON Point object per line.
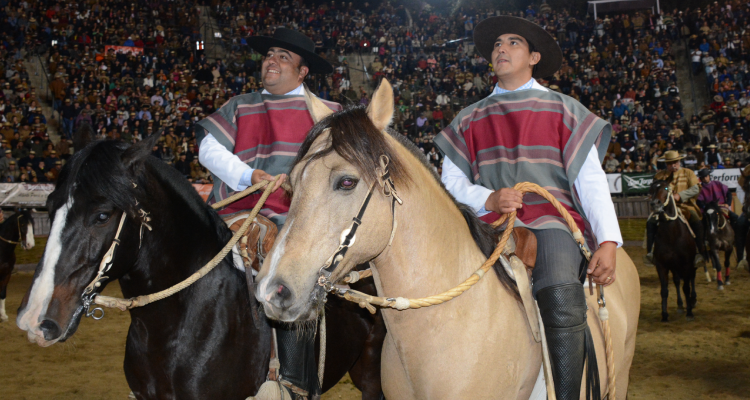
{"type": "Point", "coordinates": [674, 249]}
{"type": "Point", "coordinates": [17, 229]}
{"type": "Point", "coordinates": [201, 343]}
{"type": "Point", "coordinates": [719, 234]}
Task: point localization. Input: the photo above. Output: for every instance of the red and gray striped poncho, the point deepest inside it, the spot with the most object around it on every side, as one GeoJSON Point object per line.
{"type": "Point", "coordinates": [265, 131]}
{"type": "Point", "coordinates": [528, 136]}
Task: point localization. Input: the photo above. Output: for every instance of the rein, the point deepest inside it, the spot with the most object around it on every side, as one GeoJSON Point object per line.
{"type": "Point", "coordinates": [670, 199]}
{"type": "Point", "coordinates": [91, 297]}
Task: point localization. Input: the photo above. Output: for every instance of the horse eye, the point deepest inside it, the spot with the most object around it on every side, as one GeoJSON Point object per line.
{"type": "Point", "coordinates": [102, 218]}
{"type": "Point", "coordinates": [347, 183]}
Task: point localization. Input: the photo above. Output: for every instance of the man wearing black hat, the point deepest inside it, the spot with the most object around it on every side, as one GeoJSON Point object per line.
{"type": "Point", "coordinates": [256, 136]}
{"type": "Point", "coordinates": [524, 132]}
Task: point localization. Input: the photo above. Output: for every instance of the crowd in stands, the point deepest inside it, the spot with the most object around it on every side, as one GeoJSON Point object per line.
{"type": "Point", "coordinates": [719, 43]}
{"type": "Point", "coordinates": [620, 66]}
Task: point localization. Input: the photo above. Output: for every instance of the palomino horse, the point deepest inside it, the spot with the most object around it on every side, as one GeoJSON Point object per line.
{"type": "Point", "coordinates": [478, 345]}
{"type": "Point", "coordinates": [674, 249]}
{"type": "Point", "coordinates": [720, 237]}
{"type": "Point", "coordinates": [17, 229]}
{"type": "Point", "coordinates": [204, 342]}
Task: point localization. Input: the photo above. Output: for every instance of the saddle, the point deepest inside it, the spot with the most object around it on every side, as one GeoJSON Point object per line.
{"type": "Point", "coordinates": [254, 246]}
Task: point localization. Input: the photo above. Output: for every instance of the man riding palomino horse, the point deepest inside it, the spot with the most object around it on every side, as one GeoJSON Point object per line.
{"type": "Point", "coordinates": [685, 188]}
{"type": "Point", "coordinates": [256, 136]}
{"type": "Point", "coordinates": [525, 132]}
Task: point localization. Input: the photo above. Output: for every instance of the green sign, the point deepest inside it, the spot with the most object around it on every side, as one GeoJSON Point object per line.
{"type": "Point", "coordinates": [636, 183]}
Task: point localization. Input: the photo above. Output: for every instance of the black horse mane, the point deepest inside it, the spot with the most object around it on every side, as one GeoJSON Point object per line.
{"type": "Point", "coordinates": [98, 172]}
{"type": "Point", "coordinates": [356, 140]}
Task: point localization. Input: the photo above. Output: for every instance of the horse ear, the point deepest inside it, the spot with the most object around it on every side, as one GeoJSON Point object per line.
{"type": "Point", "coordinates": [380, 110]}
{"type": "Point", "coordinates": [139, 151]}
{"type": "Point", "coordinates": [318, 109]}
{"type": "Point", "coordinates": [83, 136]}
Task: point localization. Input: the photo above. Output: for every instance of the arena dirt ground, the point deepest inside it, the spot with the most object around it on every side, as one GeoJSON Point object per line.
{"type": "Point", "coordinates": [708, 358]}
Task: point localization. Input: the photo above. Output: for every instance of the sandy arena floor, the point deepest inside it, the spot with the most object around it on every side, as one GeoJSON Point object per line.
{"type": "Point", "coordinates": [708, 358]}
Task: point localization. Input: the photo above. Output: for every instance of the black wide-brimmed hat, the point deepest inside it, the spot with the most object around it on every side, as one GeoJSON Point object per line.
{"type": "Point", "coordinates": [296, 42]}
{"type": "Point", "coordinates": [487, 31]}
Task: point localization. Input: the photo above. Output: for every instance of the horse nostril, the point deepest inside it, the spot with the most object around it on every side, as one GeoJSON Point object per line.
{"type": "Point", "coordinates": [279, 295]}
{"type": "Point", "coordinates": [50, 329]}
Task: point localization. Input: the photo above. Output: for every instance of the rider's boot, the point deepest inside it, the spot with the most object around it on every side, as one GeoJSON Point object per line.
{"type": "Point", "coordinates": [563, 311]}
{"type": "Point", "coordinates": [298, 367]}
{"type": "Point", "coordinates": [697, 227]}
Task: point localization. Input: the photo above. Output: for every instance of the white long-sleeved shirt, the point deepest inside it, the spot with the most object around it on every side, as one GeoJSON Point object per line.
{"type": "Point", "coordinates": [591, 184]}
{"type": "Point", "coordinates": [224, 164]}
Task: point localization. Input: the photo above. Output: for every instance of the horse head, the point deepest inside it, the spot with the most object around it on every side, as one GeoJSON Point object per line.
{"type": "Point", "coordinates": [713, 219]}
{"type": "Point", "coordinates": [96, 188]}
{"type": "Point", "coordinates": [25, 225]}
{"type": "Point", "coordinates": [337, 182]}
{"type": "Point", "coordinates": [659, 193]}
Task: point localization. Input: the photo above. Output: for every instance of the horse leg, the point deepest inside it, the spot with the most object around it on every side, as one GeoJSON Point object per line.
{"type": "Point", "coordinates": [676, 280]}
{"type": "Point", "coordinates": [663, 279]}
{"type": "Point", "coordinates": [717, 266]}
{"type": "Point", "coordinates": [727, 254]}
{"type": "Point", "coordinates": [686, 291]}
{"type": "Point", "coordinates": [4, 280]}
{"type": "Point", "coordinates": [693, 294]}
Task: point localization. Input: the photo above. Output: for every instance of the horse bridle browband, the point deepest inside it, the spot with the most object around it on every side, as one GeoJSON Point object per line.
{"type": "Point", "coordinates": [349, 235]}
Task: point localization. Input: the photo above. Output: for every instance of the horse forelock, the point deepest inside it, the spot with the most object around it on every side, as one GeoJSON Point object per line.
{"type": "Point", "coordinates": [96, 172]}
{"type": "Point", "coordinates": [354, 137]}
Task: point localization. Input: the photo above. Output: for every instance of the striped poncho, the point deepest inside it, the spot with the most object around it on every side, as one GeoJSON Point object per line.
{"type": "Point", "coordinates": [528, 136]}
{"type": "Point", "coordinates": [265, 131]}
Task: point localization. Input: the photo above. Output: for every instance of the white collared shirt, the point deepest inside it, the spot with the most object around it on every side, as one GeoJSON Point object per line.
{"type": "Point", "coordinates": [223, 163]}
{"type": "Point", "coordinates": [591, 184]}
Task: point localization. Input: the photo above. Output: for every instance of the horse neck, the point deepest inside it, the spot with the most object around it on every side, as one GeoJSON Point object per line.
{"type": "Point", "coordinates": [184, 237]}
{"type": "Point", "coordinates": [432, 249]}
{"type": "Point", "coordinates": [9, 230]}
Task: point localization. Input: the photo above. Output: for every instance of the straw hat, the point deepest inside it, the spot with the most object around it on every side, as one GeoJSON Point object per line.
{"type": "Point", "coordinates": [672, 156]}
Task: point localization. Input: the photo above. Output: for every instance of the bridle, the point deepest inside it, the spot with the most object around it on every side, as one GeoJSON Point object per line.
{"type": "Point", "coordinates": [20, 236]}
{"type": "Point", "coordinates": [89, 293]}
{"type": "Point", "coordinates": [349, 235]}
{"type": "Point", "coordinates": [670, 199]}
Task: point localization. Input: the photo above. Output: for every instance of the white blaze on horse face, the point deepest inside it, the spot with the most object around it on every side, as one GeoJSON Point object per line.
{"type": "Point", "coordinates": [30, 243]}
{"type": "Point", "coordinates": [273, 262]}
{"type": "Point", "coordinates": [43, 286]}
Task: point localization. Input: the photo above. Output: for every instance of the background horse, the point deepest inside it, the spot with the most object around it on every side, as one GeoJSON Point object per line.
{"type": "Point", "coordinates": [18, 228]}
{"type": "Point", "coordinates": [176, 347]}
{"type": "Point", "coordinates": [674, 249]}
{"type": "Point", "coordinates": [477, 345]}
{"type": "Point", "coordinates": [720, 236]}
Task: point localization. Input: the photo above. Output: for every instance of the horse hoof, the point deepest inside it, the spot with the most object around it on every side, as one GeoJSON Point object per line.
{"type": "Point", "coordinates": [742, 265]}
{"type": "Point", "coordinates": [680, 310]}
{"type": "Point", "coordinates": [721, 287]}
{"type": "Point", "coordinates": [3, 318]}
{"type": "Point", "coordinates": [690, 318]}
{"type": "Point", "coordinates": [708, 277]}
{"type": "Point", "coordinates": [131, 395]}
{"type": "Point", "coordinates": [728, 282]}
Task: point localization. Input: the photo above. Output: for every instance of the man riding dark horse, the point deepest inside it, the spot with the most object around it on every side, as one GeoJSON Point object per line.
{"type": "Point", "coordinates": [255, 136]}
{"type": "Point", "coordinates": [715, 191]}
{"type": "Point", "coordinates": [686, 187]}
{"type": "Point", "coordinates": [525, 132]}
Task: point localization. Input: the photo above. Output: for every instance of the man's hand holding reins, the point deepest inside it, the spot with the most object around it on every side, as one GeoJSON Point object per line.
{"type": "Point", "coordinates": [602, 265]}
{"type": "Point", "coordinates": [260, 175]}
{"type": "Point", "coordinates": [504, 201]}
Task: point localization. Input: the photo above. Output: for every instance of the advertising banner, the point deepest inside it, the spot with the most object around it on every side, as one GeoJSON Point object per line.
{"type": "Point", "coordinates": [636, 183]}
{"type": "Point", "coordinates": [23, 194]}
{"type": "Point", "coordinates": [125, 49]}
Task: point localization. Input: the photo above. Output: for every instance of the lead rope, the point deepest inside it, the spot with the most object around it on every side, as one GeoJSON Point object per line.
{"type": "Point", "coordinates": [401, 303]}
